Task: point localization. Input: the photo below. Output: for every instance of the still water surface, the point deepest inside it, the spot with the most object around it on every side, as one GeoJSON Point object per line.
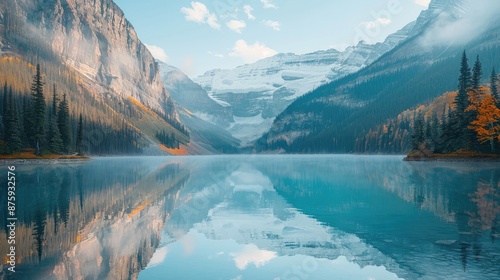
{"type": "Point", "coordinates": [256, 217]}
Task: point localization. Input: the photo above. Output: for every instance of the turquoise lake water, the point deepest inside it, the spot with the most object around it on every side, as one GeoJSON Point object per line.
{"type": "Point", "coordinates": [257, 217]}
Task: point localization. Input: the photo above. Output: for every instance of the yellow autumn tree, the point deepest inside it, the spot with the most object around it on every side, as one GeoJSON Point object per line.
{"type": "Point", "coordinates": [487, 123]}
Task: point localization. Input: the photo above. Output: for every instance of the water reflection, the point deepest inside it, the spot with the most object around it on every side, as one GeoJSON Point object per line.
{"type": "Point", "coordinates": [96, 220]}
{"type": "Point", "coordinates": [257, 217]}
{"type": "Point", "coordinates": [434, 219]}
{"type": "Point", "coordinates": [233, 224]}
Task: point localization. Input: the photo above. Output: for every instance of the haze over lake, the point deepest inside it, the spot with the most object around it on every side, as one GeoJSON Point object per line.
{"type": "Point", "coordinates": [258, 217]}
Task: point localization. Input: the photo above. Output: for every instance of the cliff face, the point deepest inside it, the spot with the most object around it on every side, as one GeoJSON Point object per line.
{"type": "Point", "coordinates": [94, 38]}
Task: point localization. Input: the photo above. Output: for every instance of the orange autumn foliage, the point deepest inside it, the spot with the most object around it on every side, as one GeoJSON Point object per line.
{"type": "Point", "coordinates": [487, 122]}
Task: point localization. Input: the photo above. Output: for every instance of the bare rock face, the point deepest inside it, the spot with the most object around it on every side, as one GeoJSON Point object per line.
{"type": "Point", "coordinates": [94, 38]}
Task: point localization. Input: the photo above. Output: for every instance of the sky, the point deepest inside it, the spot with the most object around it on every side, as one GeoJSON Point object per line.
{"type": "Point", "coordinates": [197, 36]}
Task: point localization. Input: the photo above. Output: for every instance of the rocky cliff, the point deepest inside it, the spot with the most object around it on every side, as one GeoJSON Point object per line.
{"type": "Point", "coordinates": [94, 38]}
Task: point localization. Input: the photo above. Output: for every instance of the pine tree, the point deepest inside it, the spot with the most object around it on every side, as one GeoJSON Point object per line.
{"type": "Point", "coordinates": [4, 107]}
{"type": "Point", "coordinates": [447, 139]}
{"type": "Point", "coordinates": [13, 129]}
{"type": "Point", "coordinates": [38, 111]}
{"type": "Point", "coordinates": [418, 136]}
{"type": "Point", "coordinates": [477, 73]}
{"type": "Point", "coordinates": [54, 101]}
{"type": "Point", "coordinates": [79, 136]}
{"type": "Point", "coordinates": [464, 84]}
{"type": "Point", "coordinates": [461, 118]}
{"type": "Point", "coordinates": [442, 132]}
{"type": "Point", "coordinates": [5, 93]}
{"type": "Point", "coordinates": [428, 130]}
{"type": "Point", "coordinates": [493, 85]}
{"type": "Point", "coordinates": [28, 122]}
{"type": "Point", "coordinates": [435, 129]}
{"type": "Point", "coordinates": [63, 123]}
{"type": "Point", "coordinates": [55, 143]}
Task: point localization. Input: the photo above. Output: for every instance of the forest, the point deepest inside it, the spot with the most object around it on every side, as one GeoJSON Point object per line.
{"type": "Point", "coordinates": [471, 123]}
{"type": "Point", "coordinates": [34, 124]}
{"type": "Point", "coordinates": [462, 120]}
{"type": "Point", "coordinates": [45, 110]}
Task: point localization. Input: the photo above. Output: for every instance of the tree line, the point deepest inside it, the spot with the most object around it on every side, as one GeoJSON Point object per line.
{"type": "Point", "coordinates": [470, 123]}
{"type": "Point", "coordinates": [37, 125]}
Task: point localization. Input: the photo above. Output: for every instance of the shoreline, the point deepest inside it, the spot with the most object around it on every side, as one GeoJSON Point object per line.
{"type": "Point", "coordinates": [452, 158]}
{"type": "Point", "coordinates": [9, 161]}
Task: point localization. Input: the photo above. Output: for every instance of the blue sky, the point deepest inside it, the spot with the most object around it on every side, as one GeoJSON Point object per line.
{"type": "Point", "coordinates": [197, 36]}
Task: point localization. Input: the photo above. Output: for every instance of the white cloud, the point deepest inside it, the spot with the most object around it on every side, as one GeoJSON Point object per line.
{"type": "Point", "coordinates": [251, 53]}
{"type": "Point", "coordinates": [248, 11]}
{"type": "Point", "coordinates": [268, 4]}
{"type": "Point", "coordinates": [199, 13]}
{"type": "Point", "coordinates": [376, 23]}
{"type": "Point", "coordinates": [423, 3]}
{"type": "Point", "coordinates": [219, 55]}
{"type": "Point", "coordinates": [251, 254]}
{"type": "Point", "coordinates": [273, 24]}
{"type": "Point", "coordinates": [212, 21]}
{"type": "Point", "coordinates": [157, 52]}
{"type": "Point", "coordinates": [158, 257]}
{"type": "Point", "coordinates": [236, 25]}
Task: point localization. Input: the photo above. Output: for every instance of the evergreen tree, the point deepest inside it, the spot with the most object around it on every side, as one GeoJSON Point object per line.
{"type": "Point", "coordinates": [38, 111]}
{"type": "Point", "coordinates": [435, 129]}
{"type": "Point", "coordinates": [448, 138]}
{"type": "Point", "coordinates": [477, 73]}
{"type": "Point", "coordinates": [418, 136]}
{"type": "Point", "coordinates": [464, 84]}
{"type": "Point", "coordinates": [12, 129]}
{"type": "Point", "coordinates": [5, 93]}
{"type": "Point", "coordinates": [442, 130]}
{"type": "Point", "coordinates": [55, 143]}
{"type": "Point", "coordinates": [79, 136]}
{"type": "Point", "coordinates": [28, 122]}
{"type": "Point", "coordinates": [63, 123]}
{"type": "Point", "coordinates": [461, 119]}
{"type": "Point", "coordinates": [493, 85]}
{"type": "Point", "coordinates": [4, 107]}
{"type": "Point", "coordinates": [54, 101]}
{"type": "Point", "coordinates": [428, 133]}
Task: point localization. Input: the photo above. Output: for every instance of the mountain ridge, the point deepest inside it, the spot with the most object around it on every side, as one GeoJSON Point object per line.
{"type": "Point", "coordinates": [258, 92]}
{"type": "Point", "coordinates": [410, 74]}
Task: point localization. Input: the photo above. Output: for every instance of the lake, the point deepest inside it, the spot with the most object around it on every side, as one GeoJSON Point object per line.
{"type": "Point", "coordinates": [255, 217]}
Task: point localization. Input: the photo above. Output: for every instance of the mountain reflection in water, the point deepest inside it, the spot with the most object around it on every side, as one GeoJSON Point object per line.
{"type": "Point", "coordinates": [256, 217]}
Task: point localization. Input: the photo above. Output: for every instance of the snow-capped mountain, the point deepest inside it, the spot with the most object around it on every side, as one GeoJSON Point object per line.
{"type": "Point", "coordinates": [420, 68]}
{"type": "Point", "coordinates": [258, 92]}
